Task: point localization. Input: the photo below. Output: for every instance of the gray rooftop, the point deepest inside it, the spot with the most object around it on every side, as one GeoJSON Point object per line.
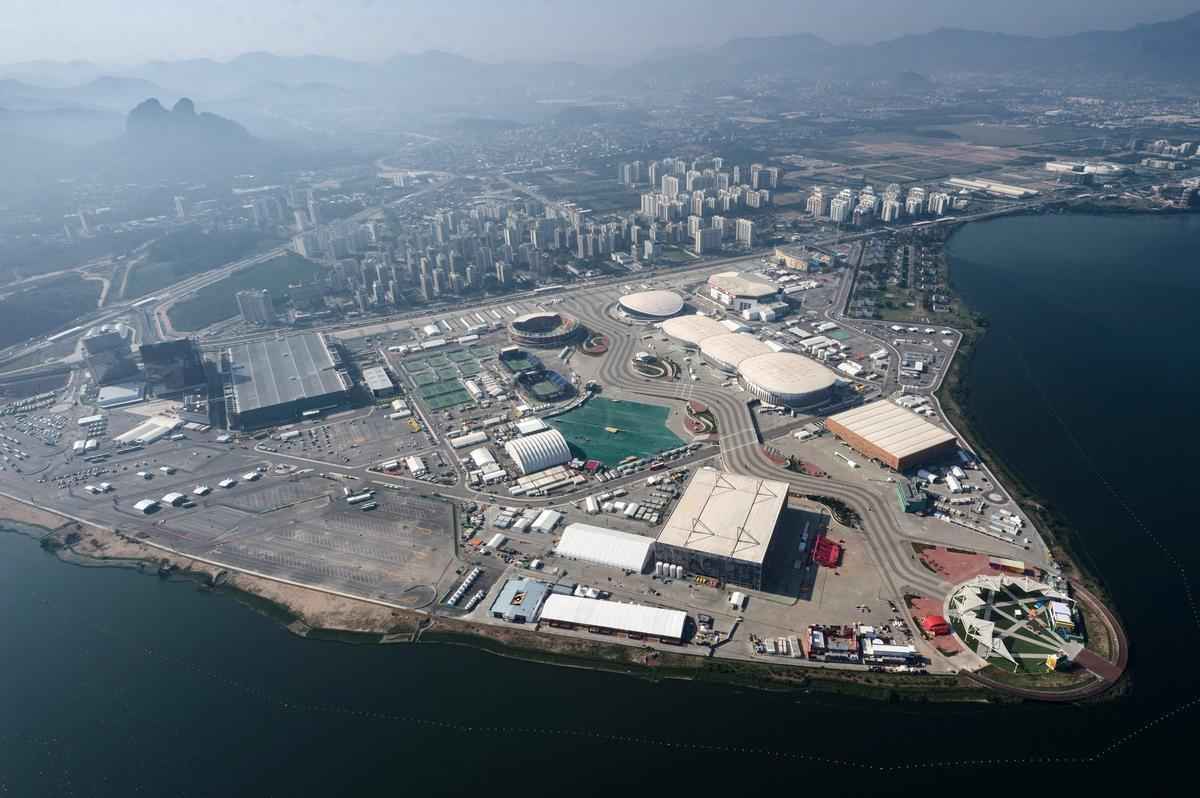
{"type": "Point", "coordinates": [521, 599]}
{"type": "Point", "coordinates": [266, 373]}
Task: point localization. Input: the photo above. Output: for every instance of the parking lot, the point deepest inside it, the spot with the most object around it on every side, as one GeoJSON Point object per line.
{"type": "Point", "coordinates": [354, 439]}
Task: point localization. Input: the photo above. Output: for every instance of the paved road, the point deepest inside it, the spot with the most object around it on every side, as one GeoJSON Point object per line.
{"type": "Point", "coordinates": [741, 452]}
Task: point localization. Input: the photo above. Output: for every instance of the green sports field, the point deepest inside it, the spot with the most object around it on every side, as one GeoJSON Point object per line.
{"type": "Point", "coordinates": [642, 430]}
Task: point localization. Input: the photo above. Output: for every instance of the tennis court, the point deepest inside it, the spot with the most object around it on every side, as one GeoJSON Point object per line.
{"type": "Point", "coordinates": [444, 394]}
{"type": "Point", "coordinates": [641, 430]}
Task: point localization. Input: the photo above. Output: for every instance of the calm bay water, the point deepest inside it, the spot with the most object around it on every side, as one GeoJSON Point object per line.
{"type": "Point", "coordinates": [114, 683]}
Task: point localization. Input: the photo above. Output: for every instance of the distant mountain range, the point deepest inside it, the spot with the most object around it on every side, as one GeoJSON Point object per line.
{"type": "Point", "coordinates": [181, 143]}
{"type": "Point", "coordinates": [1160, 51]}
{"type": "Point", "coordinates": [56, 112]}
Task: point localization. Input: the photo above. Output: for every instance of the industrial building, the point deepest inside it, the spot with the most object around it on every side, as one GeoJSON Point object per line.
{"type": "Point", "coordinates": [651, 305]}
{"type": "Point", "coordinates": [534, 453]}
{"type": "Point", "coordinates": [785, 378]}
{"type": "Point", "coordinates": [911, 498]}
{"type": "Point", "coordinates": [603, 546]}
{"type": "Point", "coordinates": [723, 526]}
{"type": "Point", "coordinates": [108, 355]}
{"type": "Point", "coordinates": [892, 435]}
{"type": "Point", "coordinates": [273, 381]}
{"type": "Point", "coordinates": [145, 506]}
{"type": "Point", "coordinates": [635, 620]}
{"type": "Point", "coordinates": [691, 330]}
{"type": "Point", "coordinates": [545, 330]}
{"type": "Point", "coordinates": [378, 382]}
{"type": "Point", "coordinates": [993, 187]}
{"type": "Point", "coordinates": [173, 366]}
{"type": "Point", "coordinates": [520, 600]}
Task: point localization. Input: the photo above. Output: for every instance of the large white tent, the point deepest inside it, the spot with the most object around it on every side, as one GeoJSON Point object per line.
{"type": "Point", "coordinates": [615, 616]}
{"type": "Point", "coordinates": [605, 547]}
{"type": "Point", "coordinates": [538, 452]}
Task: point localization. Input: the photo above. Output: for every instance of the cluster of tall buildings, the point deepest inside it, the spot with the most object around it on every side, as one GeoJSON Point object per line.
{"type": "Point", "coordinates": [848, 207]}
{"type": "Point", "coordinates": [457, 251]}
{"type": "Point", "coordinates": [1185, 149]}
{"type": "Point", "coordinates": [703, 193]}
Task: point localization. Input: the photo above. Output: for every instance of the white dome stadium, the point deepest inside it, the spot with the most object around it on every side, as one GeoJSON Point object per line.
{"type": "Point", "coordinates": [652, 304]}
{"type": "Point", "coordinates": [691, 330]}
{"type": "Point", "coordinates": [785, 378]}
{"type": "Point", "coordinates": [728, 350]}
{"type": "Point", "coordinates": [538, 452]}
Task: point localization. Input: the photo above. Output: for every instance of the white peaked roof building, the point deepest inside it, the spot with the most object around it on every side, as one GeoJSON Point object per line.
{"type": "Point", "coordinates": [615, 616]}
{"type": "Point", "coordinates": [727, 515]}
{"type": "Point", "coordinates": [538, 452]}
{"type": "Point", "coordinates": [605, 547]}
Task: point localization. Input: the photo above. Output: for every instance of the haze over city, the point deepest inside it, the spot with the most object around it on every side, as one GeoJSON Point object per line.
{"type": "Point", "coordinates": [124, 32]}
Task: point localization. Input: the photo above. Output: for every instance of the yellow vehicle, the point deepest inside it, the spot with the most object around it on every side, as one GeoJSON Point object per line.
{"type": "Point", "coordinates": [413, 426]}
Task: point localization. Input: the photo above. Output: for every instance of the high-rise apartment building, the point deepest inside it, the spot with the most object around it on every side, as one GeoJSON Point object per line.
{"type": "Point", "coordinates": [256, 307]}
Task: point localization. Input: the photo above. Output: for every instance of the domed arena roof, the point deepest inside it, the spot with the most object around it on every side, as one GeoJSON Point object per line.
{"type": "Point", "coordinates": [693, 329]}
{"type": "Point", "coordinates": [786, 374]}
{"type": "Point", "coordinates": [652, 304]}
{"type": "Point", "coordinates": [732, 348]}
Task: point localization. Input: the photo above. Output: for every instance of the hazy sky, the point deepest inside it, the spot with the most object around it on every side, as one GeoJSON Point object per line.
{"type": "Point", "coordinates": [128, 31]}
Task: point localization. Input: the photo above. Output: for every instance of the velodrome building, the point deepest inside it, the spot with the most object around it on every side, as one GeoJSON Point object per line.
{"type": "Point", "coordinates": [651, 305]}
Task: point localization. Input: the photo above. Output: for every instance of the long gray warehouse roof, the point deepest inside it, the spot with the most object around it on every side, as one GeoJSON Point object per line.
{"type": "Point", "coordinates": [897, 431]}
{"type": "Point", "coordinates": [271, 372]}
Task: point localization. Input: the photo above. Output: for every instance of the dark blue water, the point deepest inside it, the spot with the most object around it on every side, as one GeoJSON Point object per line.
{"type": "Point", "coordinates": [115, 683]}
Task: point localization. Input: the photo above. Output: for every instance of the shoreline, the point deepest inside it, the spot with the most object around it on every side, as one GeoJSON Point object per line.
{"type": "Point", "coordinates": [1061, 537]}
{"type": "Point", "coordinates": [311, 613]}
{"type": "Point", "coordinates": [954, 397]}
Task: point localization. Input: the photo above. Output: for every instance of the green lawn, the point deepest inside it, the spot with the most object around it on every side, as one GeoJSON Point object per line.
{"type": "Point", "coordinates": [186, 253]}
{"type": "Point", "coordinates": [218, 302]}
{"type": "Point", "coordinates": [642, 430]}
{"type": "Point", "coordinates": [46, 306]}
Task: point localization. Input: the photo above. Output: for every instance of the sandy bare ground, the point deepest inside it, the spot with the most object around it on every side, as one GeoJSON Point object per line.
{"type": "Point", "coordinates": [313, 608]}
{"type": "Point", "coordinates": [11, 510]}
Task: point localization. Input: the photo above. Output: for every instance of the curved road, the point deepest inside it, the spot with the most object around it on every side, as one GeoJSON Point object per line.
{"type": "Point", "coordinates": [742, 452]}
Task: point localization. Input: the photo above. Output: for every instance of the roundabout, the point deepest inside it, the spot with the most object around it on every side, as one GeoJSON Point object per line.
{"type": "Point", "coordinates": [595, 345]}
